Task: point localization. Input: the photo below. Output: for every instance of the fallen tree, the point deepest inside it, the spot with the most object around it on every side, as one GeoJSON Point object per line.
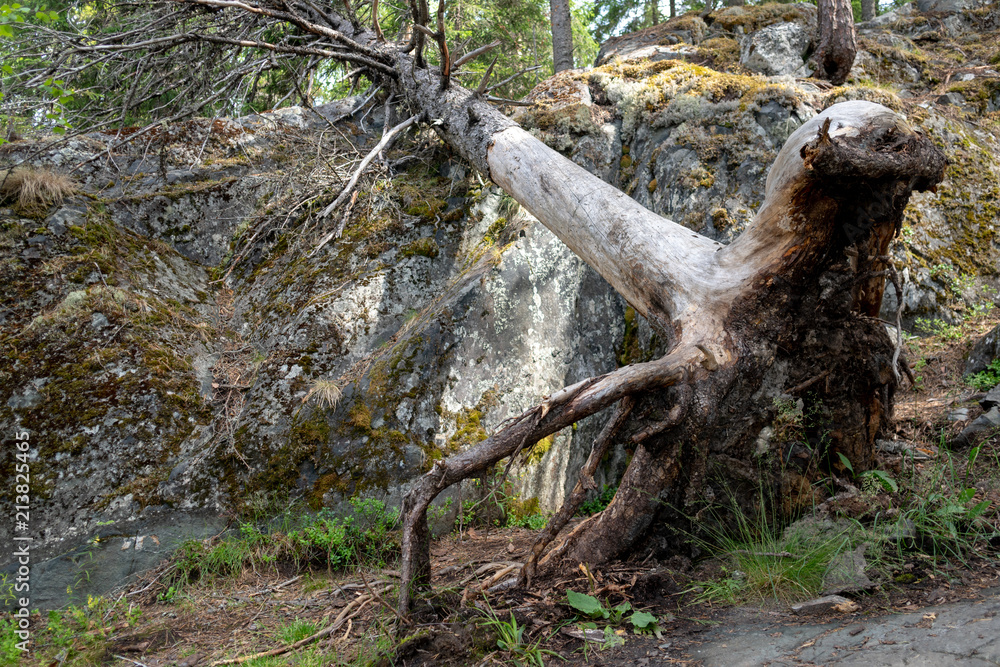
{"type": "Point", "coordinates": [789, 309]}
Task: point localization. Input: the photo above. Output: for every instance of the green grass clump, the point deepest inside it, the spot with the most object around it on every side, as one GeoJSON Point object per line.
{"type": "Point", "coordinates": [761, 564]}
{"type": "Point", "coordinates": [365, 537]}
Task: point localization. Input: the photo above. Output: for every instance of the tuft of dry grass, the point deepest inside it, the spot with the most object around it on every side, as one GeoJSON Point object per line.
{"type": "Point", "coordinates": [326, 392]}
{"type": "Point", "coordinates": [30, 189]}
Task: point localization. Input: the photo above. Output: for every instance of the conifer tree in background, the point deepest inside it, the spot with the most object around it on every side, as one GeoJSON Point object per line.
{"type": "Point", "coordinates": [837, 45]}
{"type": "Point", "coordinates": [562, 35]}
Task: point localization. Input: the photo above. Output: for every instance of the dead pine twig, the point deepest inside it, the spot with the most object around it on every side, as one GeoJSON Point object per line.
{"type": "Point", "coordinates": [387, 139]}
{"type": "Point", "coordinates": [352, 609]}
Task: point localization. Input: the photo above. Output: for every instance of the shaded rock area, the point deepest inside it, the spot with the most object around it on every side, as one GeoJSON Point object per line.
{"type": "Point", "coordinates": [176, 345]}
{"type": "Point", "coordinates": [983, 352]}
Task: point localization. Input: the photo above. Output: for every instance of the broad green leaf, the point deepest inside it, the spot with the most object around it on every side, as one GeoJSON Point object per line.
{"type": "Point", "coordinates": [887, 482]}
{"type": "Point", "coordinates": [642, 620]}
{"type": "Point", "coordinates": [846, 462]}
{"type": "Point", "coordinates": [978, 509]}
{"type": "Point", "coordinates": [586, 604]}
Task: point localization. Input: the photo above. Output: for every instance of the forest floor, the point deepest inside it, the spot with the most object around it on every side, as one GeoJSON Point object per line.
{"type": "Point", "coordinates": [932, 599]}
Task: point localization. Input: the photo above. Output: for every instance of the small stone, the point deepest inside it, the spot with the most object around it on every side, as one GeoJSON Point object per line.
{"type": "Point", "coordinates": [959, 415]}
{"type": "Point", "coordinates": [846, 573]}
{"type": "Point", "coordinates": [985, 424]}
{"type": "Point", "coordinates": [991, 400]}
{"type": "Point", "coordinates": [99, 321]}
{"type": "Point", "coordinates": [955, 99]}
{"type": "Point", "coordinates": [825, 604]}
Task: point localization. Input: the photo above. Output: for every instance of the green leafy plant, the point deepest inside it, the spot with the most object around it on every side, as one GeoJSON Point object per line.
{"type": "Point", "coordinates": [939, 514]}
{"type": "Point", "coordinates": [644, 622]}
{"type": "Point", "coordinates": [884, 480]}
{"type": "Point", "coordinates": [985, 379]}
{"type": "Point", "coordinates": [168, 595]}
{"type": "Point", "coordinates": [598, 503]}
{"type": "Point", "coordinates": [592, 608]}
{"type": "Point", "coordinates": [511, 639]}
{"type": "Point", "coordinates": [939, 328]}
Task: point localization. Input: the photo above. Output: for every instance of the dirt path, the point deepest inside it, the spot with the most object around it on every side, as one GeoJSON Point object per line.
{"type": "Point", "coordinates": [962, 633]}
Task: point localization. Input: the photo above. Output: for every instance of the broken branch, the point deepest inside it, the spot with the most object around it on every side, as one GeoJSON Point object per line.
{"type": "Point", "coordinates": [475, 53]}
{"type": "Point", "coordinates": [386, 140]}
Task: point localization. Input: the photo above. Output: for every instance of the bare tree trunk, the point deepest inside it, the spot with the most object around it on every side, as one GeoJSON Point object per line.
{"type": "Point", "coordinates": [791, 305]}
{"type": "Point", "coordinates": [562, 35]}
{"type": "Point", "coordinates": [837, 45]}
{"type": "Point", "coordinates": [867, 10]}
{"type": "Point", "coordinates": [673, 8]}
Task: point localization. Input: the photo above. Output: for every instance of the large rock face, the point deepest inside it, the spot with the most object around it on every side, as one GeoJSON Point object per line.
{"type": "Point", "coordinates": [178, 349]}
{"type": "Point", "coordinates": [778, 49]}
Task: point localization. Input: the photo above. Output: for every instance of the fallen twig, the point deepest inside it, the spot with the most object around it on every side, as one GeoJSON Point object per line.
{"type": "Point", "coordinates": [386, 139]}
{"type": "Point", "coordinates": [352, 609]}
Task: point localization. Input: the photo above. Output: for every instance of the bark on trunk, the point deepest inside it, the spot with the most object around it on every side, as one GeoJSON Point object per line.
{"type": "Point", "coordinates": [562, 35]}
{"type": "Point", "coordinates": [837, 45]}
{"type": "Point", "coordinates": [867, 10]}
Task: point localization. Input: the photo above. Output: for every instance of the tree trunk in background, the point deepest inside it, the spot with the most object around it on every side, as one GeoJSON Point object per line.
{"type": "Point", "coordinates": [837, 46]}
{"type": "Point", "coordinates": [867, 10]}
{"type": "Point", "coordinates": [673, 8]}
{"type": "Point", "coordinates": [562, 35]}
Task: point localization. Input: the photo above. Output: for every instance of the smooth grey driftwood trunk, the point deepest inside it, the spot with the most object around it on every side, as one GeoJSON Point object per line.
{"type": "Point", "coordinates": [788, 309]}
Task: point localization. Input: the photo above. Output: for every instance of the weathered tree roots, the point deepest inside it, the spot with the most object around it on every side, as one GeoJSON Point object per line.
{"type": "Point", "coordinates": [788, 310]}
